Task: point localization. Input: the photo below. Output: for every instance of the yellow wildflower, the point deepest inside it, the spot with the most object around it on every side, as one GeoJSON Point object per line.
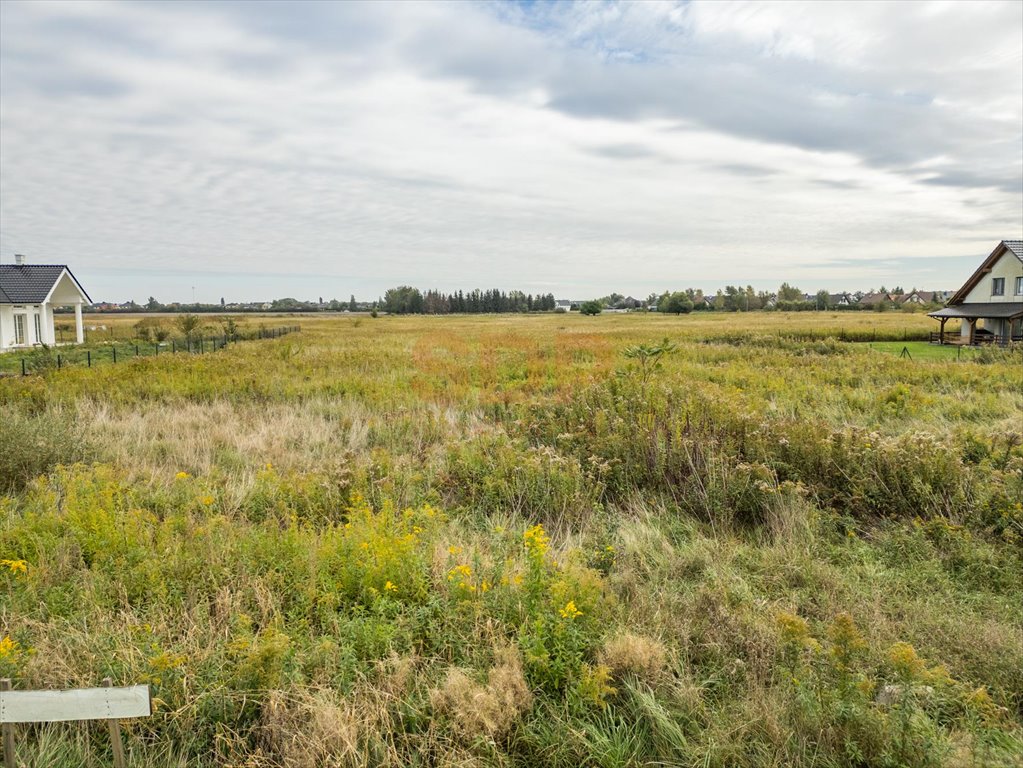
{"type": "Point", "coordinates": [460, 570]}
{"type": "Point", "coordinates": [570, 611]}
{"type": "Point", "coordinates": [207, 500]}
{"type": "Point", "coordinates": [389, 587]}
{"type": "Point", "coordinates": [453, 550]}
{"type": "Point", "coordinates": [182, 476]}
{"type": "Point", "coordinates": [536, 540]}
{"type": "Point", "coordinates": [9, 649]}
{"type": "Point", "coordinates": [15, 566]}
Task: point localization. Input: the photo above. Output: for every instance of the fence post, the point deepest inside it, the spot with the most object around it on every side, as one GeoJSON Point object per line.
{"type": "Point", "coordinates": [136, 350]}
{"type": "Point", "coordinates": [5, 685]}
{"type": "Point", "coordinates": [115, 734]}
{"type": "Point", "coordinates": [60, 363]}
{"type": "Point", "coordinates": [23, 371]}
{"type": "Point", "coordinates": [88, 357]}
{"type": "Point", "coordinates": [114, 350]}
{"type": "Point", "coordinates": [174, 347]}
{"type": "Point", "coordinates": [201, 350]}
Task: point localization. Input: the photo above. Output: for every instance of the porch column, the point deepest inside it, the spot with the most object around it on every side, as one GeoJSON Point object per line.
{"type": "Point", "coordinates": [79, 334]}
{"type": "Point", "coordinates": [941, 333]}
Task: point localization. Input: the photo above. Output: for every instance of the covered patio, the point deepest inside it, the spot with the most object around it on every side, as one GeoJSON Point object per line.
{"type": "Point", "coordinates": [1002, 324]}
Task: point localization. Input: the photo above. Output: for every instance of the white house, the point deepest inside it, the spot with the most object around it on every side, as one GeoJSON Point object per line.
{"type": "Point", "coordinates": [28, 295]}
{"type": "Point", "coordinates": [990, 303]}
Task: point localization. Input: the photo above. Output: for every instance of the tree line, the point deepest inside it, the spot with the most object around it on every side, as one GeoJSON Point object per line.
{"type": "Point", "coordinates": [406, 300]}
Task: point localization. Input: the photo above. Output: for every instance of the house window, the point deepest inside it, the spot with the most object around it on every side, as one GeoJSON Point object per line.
{"type": "Point", "coordinates": [39, 328]}
{"type": "Point", "coordinates": [19, 329]}
{"type": "Point", "coordinates": [1019, 286]}
{"type": "Point", "coordinates": [997, 286]}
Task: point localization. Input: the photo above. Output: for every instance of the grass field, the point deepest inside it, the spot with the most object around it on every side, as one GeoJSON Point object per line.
{"type": "Point", "coordinates": [923, 350]}
{"type": "Point", "coordinates": [527, 541]}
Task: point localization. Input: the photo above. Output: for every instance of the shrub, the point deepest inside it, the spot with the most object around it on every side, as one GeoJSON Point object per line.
{"type": "Point", "coordinates": [34, 443]}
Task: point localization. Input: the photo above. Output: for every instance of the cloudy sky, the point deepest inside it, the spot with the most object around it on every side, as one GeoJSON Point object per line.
{"type": "Point", "coordinates": [255, 150]}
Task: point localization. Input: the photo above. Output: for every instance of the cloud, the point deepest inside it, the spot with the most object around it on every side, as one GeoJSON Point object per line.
{"type": "Point", "coordinates": [591, 146]}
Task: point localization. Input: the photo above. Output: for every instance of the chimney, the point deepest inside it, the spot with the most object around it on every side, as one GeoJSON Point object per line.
{"type": "Point", "coordinates": [19, 259]}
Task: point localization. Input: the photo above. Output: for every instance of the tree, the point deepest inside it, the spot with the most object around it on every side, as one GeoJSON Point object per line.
{"type": "Point", "coordinates": [823, 299]}
{"type": "Point", "coordinates": [789, 293]}
{"type": "Point", "coordinates": [352, 306]}
{"type": "Point", "coordinates": [153, 305]}
{"type": "Point", "coordinates": [403, 300]}
{"type": "Point", "coordinates": [591, 307]}
{"type": "Point", "coordinates": [189, 325]}
{"type": "Point", "coordinates": [677, 303]}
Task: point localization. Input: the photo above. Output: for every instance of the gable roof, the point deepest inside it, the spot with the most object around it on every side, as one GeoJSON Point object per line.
{"type": "Point", "coordinates": [1015, 247]}
{"type": "Point", "coordinates": [32, 283]}
{"type": "Point", "coordinates": [876, 298]}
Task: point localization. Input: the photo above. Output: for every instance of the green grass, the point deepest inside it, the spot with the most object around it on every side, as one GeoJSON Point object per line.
{"type": "Point", "coordinates": [502, 541]}
{"type": "Point", "coordinates": [922, 350]}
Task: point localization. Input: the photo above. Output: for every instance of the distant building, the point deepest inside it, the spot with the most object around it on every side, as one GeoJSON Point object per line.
{"type": "Point", "coordinates": [28, 295]}
{"type": "Point", "coordinates": [990, 303]}
{"type": "Point", "coordinates": [840, 300]}
{"type": "Point", "coordinates": [874, 299]}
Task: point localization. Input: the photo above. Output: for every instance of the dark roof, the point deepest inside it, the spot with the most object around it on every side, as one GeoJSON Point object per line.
{"type": "Point", "coordinates": [1015, 247]}
{"type": "Point", "coordinates": [982, 310]}
{"type": "Point", "coordinates": [31, 283]}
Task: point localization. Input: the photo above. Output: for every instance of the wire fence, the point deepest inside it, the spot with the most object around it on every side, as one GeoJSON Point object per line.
{"type": "Point", "coordinates": [44, 358]}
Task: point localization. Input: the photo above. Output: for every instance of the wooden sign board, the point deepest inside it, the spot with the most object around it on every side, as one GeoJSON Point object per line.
{"type": "Point", "coordinates": [80, 704]}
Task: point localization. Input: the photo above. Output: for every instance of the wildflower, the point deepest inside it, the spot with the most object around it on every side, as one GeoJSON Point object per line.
{"type": "Point", "coordinates": [389, 587]}
{"type": "Point", "coordinates": [9, 649]}
{"type": "Point", "coordinates": [207, 500]}
{"type": "Point", "coordinates": [536, 541]}
{"type": "Point", "coordinates": [453, 550]}
{"type": "Point", "coordinates": [904, 659]}
{"type": "Point", "coordinates": [15, 566]}
{"type": "Point", "coordinates": [182, 476]}
{"type": "Point", "coordinates": [795, 632]}
{"type": "Point", "coordinates": [460, 570]}
{"type": "Point", "coordinates": [570, 611]}
{"type": "Point", "coordinates": [268, 466]}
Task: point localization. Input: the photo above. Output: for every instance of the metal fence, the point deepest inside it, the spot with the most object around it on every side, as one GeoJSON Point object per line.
{"type": "Point", "coordinates": [44, 358]}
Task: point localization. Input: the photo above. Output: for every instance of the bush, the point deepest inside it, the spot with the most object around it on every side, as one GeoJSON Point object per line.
{"type": "Point", "coordinates": [33, 444]}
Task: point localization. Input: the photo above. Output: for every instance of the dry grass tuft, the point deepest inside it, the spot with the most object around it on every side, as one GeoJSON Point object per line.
{"type": "Point", "coordinates": [485, 710]}
{"type": "Point", "coordinates": [309, 728]}
{"type": "Point", "coordinates": [631, 654]}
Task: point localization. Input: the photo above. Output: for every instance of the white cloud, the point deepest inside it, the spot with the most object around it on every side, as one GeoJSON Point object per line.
{"type": "Point", "coordinates": [575, 147]}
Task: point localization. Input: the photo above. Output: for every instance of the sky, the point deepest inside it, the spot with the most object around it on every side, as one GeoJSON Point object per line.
{"type": "Point", "coordinates": [253, 150]}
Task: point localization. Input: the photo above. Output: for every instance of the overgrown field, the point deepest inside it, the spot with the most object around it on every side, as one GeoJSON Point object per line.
{"type": "Point", "coordinates": [526, 541]}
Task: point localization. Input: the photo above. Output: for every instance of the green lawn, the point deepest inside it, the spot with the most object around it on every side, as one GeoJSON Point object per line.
{"type": "Point", "coordinates": [923, 350]}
